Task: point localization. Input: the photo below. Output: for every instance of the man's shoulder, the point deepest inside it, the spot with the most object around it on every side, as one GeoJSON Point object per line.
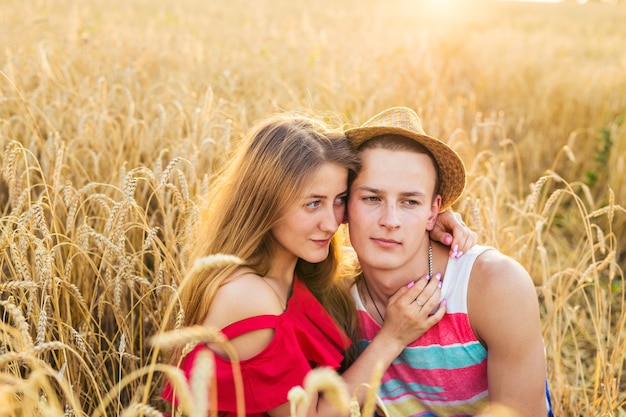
{"type": "Point", "coordinates": [500, 291]}
{"type": "Point", "coordinates": [488, 260]}
{"type": "Point", "coordinates": [492, 260]}
{"type": "Point", "coordinates": [496, 272]}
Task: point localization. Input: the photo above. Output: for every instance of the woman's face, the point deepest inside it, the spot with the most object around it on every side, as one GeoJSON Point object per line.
{"type": "Point", "coordinates": [308, 225]}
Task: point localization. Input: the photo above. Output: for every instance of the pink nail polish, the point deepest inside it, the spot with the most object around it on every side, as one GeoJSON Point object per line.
{"type": "Point", "coordinates": [438, 276]}
{"type": "Point", "coordinates": [427, 277]}
{"type": "Point", "coordinates": [448, 240]}
{"type": "Point", "coordinates": [444, 302]}
{"type": "Point", "coordinates": [440, 284]}
{"type": "Point", "coordinates": [458, 255]}
{"type": "Point", "coordinates": [456, 248]}
{"type": "Point", "coordinates": [410, 284]}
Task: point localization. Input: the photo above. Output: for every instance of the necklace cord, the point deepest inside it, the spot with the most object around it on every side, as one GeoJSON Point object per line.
{"type": "Point", "coordinates": [367, 288]}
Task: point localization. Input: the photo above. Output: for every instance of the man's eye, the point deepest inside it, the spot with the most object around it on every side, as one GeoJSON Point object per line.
{"type": "Point", "coordinates": [371, 199]}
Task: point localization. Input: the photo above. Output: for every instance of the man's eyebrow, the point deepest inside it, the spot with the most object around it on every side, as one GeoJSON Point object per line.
{"type": "Point", "coordinates": [404, 193]}
{"type": "Point", "coordinates": [370, 189]}
{"type": "Point", "coordinates": [413, 193]}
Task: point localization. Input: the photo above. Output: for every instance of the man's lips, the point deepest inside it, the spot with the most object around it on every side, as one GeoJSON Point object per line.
{"type": "Point", "coordinates": [385, 243]}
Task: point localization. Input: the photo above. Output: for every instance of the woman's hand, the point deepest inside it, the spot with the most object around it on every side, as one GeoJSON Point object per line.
{"type": "Point", "coordinates": [412, 310]}
{"type": "Point", "coordinates": [409, 313]}
{"type": "Point", "coordinates": [452, 231]}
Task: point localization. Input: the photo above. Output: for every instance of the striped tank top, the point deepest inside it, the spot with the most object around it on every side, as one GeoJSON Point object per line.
{"type": "Point", "coordinates": [444, 372]}
{"type": "Point", "coordinates": [448, 360]}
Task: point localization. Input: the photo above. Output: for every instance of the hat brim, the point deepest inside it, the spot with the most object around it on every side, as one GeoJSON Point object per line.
{"type": "Point", "coordinates": [450, 165]}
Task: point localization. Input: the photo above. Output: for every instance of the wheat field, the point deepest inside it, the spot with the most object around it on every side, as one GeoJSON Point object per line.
{"type": "Point", "coordinates": [115, 114]}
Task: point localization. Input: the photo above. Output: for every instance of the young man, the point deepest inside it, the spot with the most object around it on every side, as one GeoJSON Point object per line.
{"type": "Point", "coordinates": [487, 351]}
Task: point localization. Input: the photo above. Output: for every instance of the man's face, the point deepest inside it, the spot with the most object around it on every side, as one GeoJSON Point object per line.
{"type": "Point", "coordinates": [391, 208]}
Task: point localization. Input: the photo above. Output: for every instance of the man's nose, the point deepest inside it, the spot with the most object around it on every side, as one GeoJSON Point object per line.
{"type": "Point", "coordinates": [389, 216]}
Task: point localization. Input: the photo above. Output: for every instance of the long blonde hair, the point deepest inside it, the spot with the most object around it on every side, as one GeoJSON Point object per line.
{"type": "Point", "coordinates": [275, 160]}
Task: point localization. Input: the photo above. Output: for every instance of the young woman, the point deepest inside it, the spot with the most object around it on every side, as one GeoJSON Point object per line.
{"type": "Point", "coordinates": [286, 310]}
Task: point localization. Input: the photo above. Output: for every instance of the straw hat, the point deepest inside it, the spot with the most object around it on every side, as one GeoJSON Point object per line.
{"type": "Point", "coordinates": [405, 122]}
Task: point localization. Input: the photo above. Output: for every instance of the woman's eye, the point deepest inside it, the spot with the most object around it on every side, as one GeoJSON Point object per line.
{"type": "Point", "coordinates": [312, 204]}
{"type": "Point", "coordinates": [341, 200]}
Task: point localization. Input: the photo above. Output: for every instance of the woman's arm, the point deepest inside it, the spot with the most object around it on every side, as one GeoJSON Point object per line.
{"type": "Point", "coordinates": [452, 231]}
{"type": "Point", "coordinates": [405, 322]}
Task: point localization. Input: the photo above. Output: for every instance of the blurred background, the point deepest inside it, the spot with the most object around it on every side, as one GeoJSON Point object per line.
{"type": "Point", "coordinates": [115, 114]}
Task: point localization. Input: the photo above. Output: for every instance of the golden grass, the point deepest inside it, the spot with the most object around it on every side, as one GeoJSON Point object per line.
{"type": "Point", "coordinates": [114, 115]}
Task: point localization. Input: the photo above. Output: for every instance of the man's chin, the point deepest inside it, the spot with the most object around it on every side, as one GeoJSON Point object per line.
{"type": "Point", "coordinates": [376, 265]}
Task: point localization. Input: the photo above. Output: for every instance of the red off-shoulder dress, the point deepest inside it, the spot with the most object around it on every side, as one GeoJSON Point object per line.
{"type": "Point", "coordinates": [305, 337]}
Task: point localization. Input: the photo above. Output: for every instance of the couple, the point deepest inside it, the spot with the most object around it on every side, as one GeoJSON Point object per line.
{"type": "Point", "coordinates": [450, 346]}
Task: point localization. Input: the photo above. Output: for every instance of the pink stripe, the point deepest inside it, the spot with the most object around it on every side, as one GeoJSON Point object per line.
{"type": "Point", "coordinates": [452, 329]}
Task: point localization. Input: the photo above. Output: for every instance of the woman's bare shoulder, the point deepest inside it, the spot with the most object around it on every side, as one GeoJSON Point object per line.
{"type": "Point", "coordinates": [245, 294]}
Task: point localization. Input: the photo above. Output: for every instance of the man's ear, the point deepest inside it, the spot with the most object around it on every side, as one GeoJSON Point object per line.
{"type": "Point", "coordinates": [434, 212]}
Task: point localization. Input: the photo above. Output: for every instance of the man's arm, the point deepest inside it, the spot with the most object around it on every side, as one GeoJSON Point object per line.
{"type": "Point", "coordinates": [504, 313]}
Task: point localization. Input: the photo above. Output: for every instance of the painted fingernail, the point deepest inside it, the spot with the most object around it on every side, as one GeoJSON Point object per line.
{"type": "Point", "coordinates": [410, 284]}
{"type": "Point", "coordinates": [444, 302]}
{"type": "Point", "coordinates": [440, 284]}
{"type": "Point", "coordinates": [458, 255]}
{"type": "Point", "coordinates": [438, 276]}
{"type": "Point", "coordinates": [427, 277]}
{"type": "Point", "coordinates": [455, 248]}
{"type": "Point", "coordinates": [448, 240]}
